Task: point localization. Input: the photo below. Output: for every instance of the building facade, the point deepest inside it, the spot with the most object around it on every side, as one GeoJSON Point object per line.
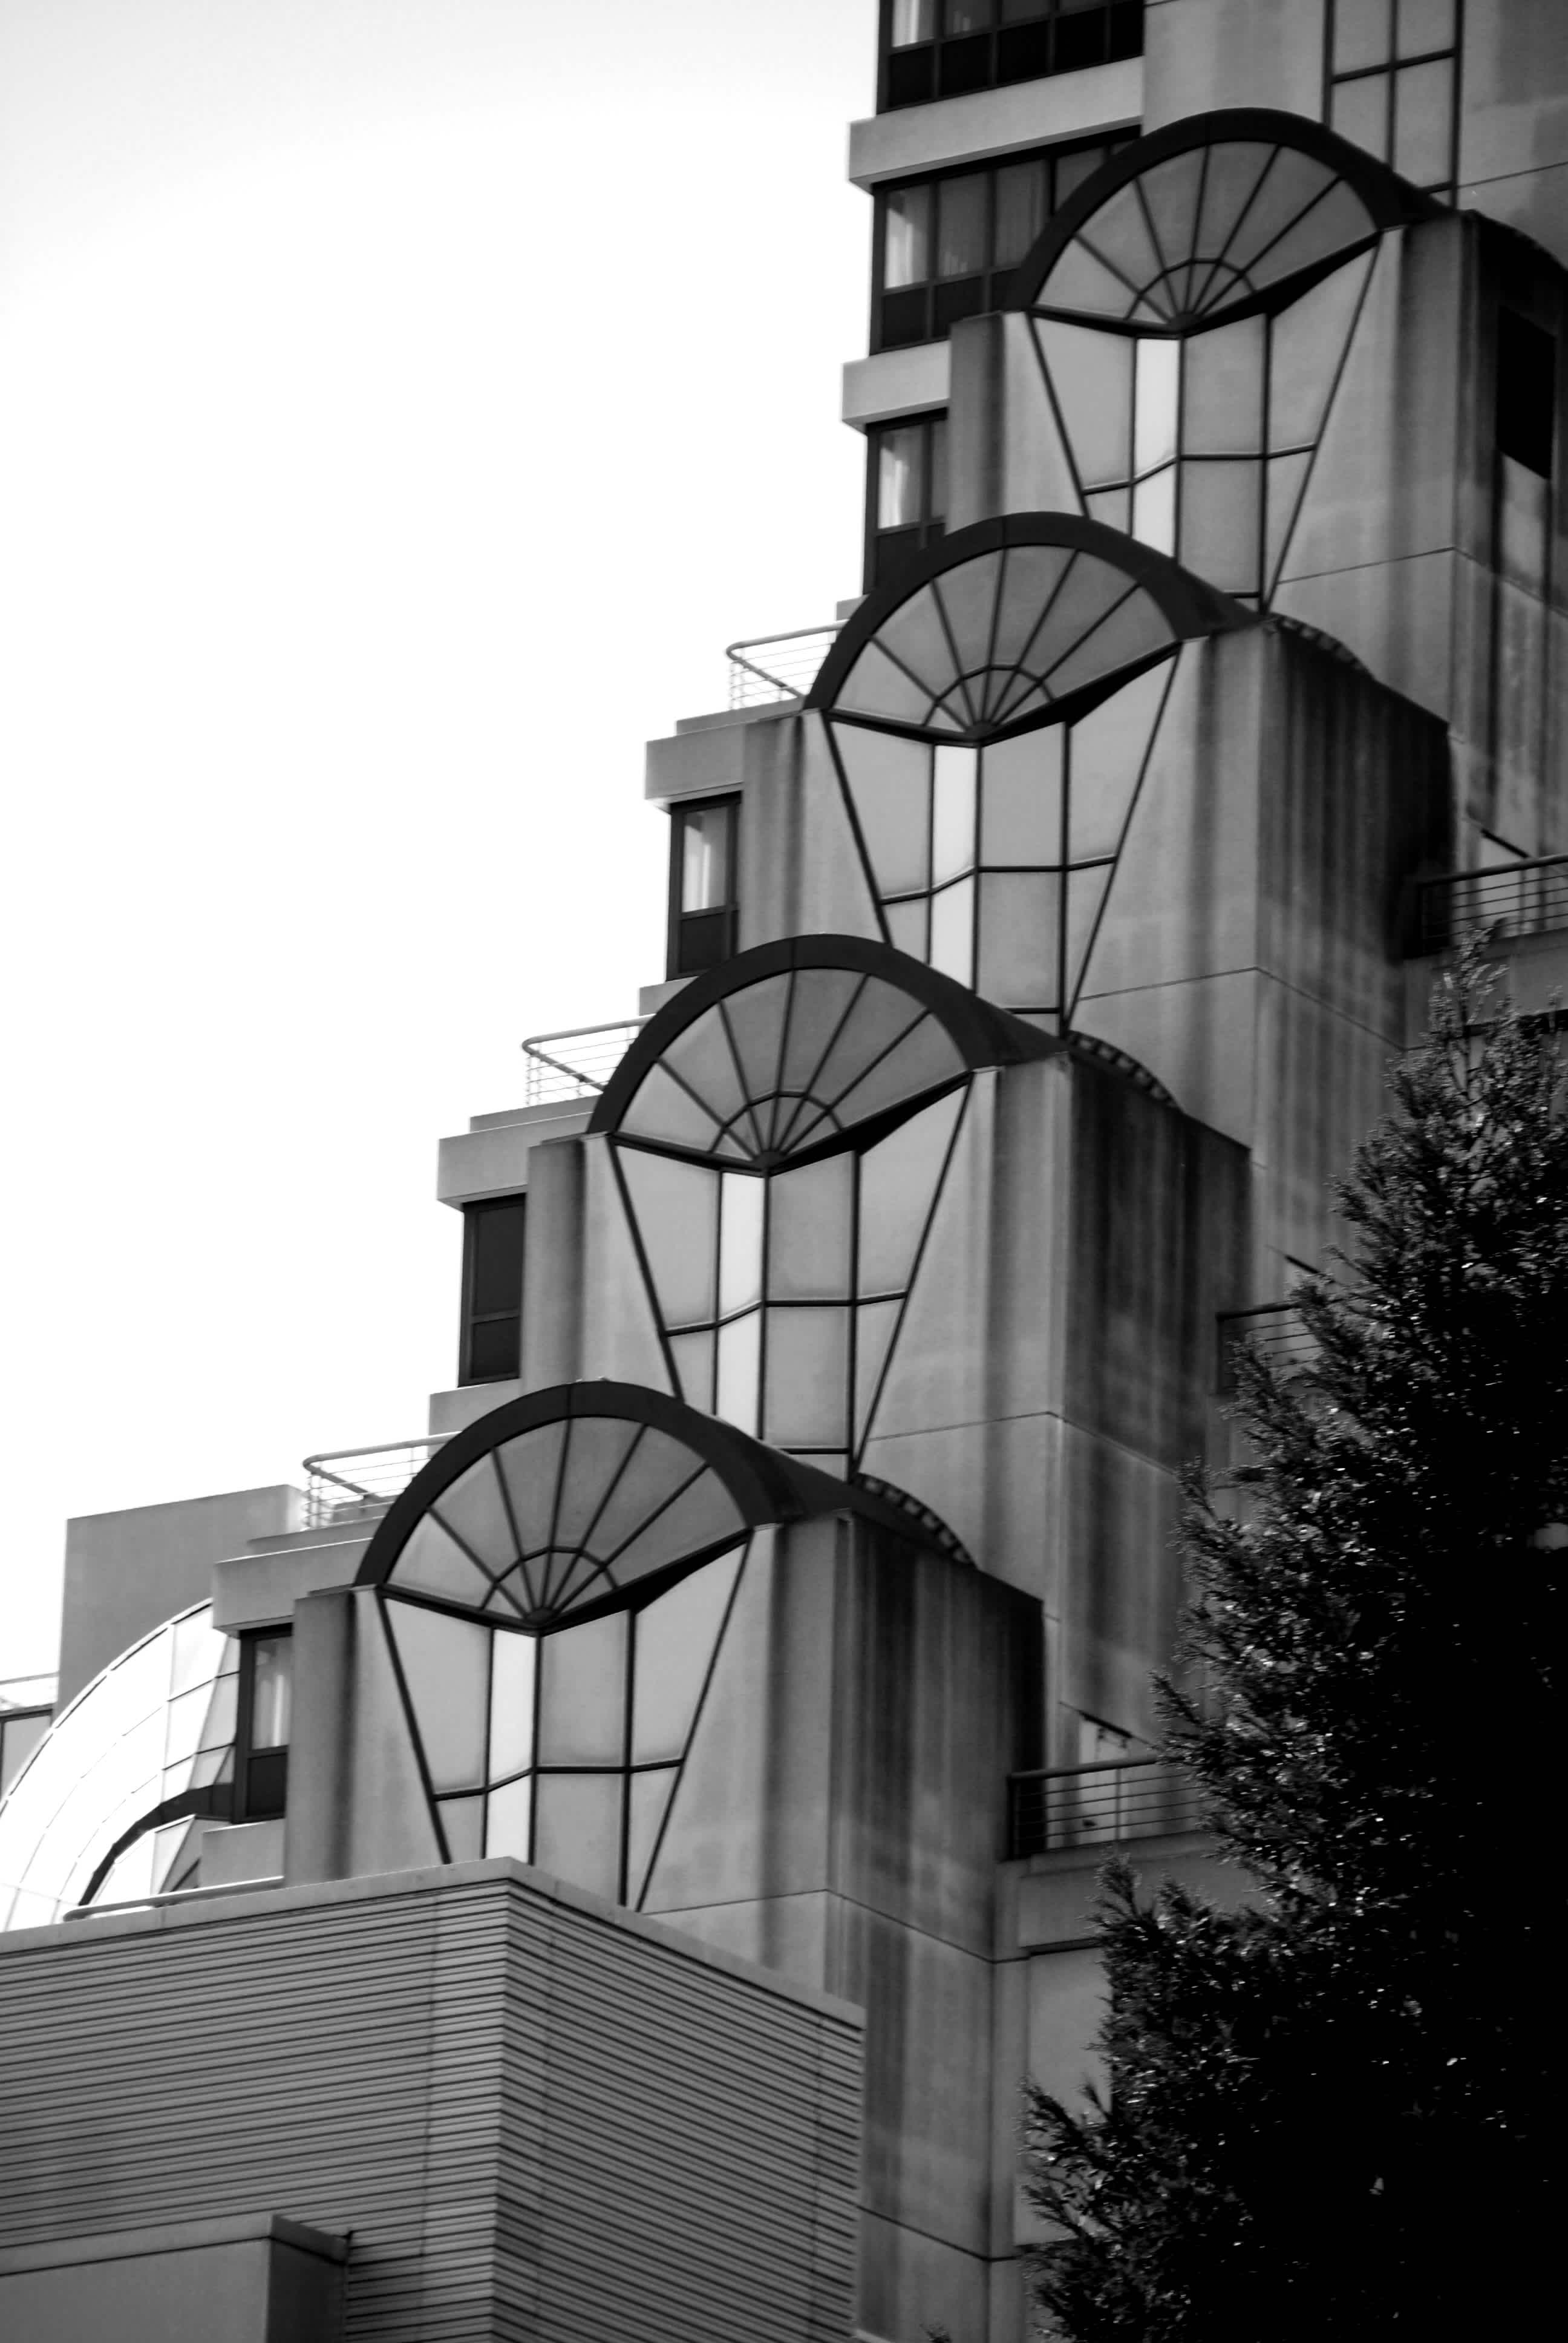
{"type": "Point", "coordinates": [781, 1583]}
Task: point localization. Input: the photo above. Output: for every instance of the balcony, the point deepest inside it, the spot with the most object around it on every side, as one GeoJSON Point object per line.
{"type": "Point", "coordinates": [1519, 910]}
{"type": "Point", "coordinates": [345, 1487]}
{"type": "Point", "coordinates": [572, 1067]}
{"type": "Point", "coordinates": [772, 667]}
{"type": "Point", "coordinates": [1099, 1805]}
{"type": "Point", "coordinates": [1276, 1330]}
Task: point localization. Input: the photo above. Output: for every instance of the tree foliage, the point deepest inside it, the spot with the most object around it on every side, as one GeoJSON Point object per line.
{"type": "Point", "coordinates": [1327, 2110]}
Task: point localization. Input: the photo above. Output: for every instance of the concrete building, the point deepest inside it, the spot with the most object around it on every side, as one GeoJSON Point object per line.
{"type": "Point", "coordinates": [706, 1737]}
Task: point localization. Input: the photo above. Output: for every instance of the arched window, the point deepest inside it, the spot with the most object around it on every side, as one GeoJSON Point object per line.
{"type": "Point", "coordinates": [991, 719]}
{"type": "Point", "coordinates": [556, 1585]}
{"type": "Point", "coordinates": [781, 1133]}
{"type": "Point", "coordinates": [1190, 309]}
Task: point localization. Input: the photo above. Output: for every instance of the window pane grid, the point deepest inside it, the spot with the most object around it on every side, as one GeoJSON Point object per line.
{"type": "Point", "coordinates": [1392, 77]}
{"type": "Point", "coordinates": [949, 49]}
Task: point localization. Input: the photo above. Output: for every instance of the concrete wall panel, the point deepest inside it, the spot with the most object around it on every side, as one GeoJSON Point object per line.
{"type": "Point", "coordinates": [1123, 1588]}
{"type": "Point", "coordinates": [1514, 131]}
{"type": "Point", "coordinates": [800, 870]}
{"type": "Point", "coordinates": [1200, 54]}
{"type": "Point", "coordinates": [619, 1335]}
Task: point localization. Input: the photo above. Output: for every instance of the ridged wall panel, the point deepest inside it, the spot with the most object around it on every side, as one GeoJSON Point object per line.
{"type": "Point", "coordinates": [539, 2121]}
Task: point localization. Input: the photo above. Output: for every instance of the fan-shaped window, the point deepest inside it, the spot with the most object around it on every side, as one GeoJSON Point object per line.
{"type": "Point", "coordinates": [1005, 622]}
{"type": "Point", "coordinates": [1213, 215]}
{"type": "Point", "coordinates": [555, 1587]}
{"type": "Point", "coordinates": [782, 1209]}
{"type": "Point", "coordinates": [103, 1809]}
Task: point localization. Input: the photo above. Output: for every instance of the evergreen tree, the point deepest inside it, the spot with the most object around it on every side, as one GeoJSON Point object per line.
{"type": "Point", "coordinates": [1328, 2111]}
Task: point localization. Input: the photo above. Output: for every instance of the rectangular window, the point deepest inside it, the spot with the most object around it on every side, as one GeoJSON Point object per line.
{"type": "Point", "coordinates": [945, 246]}
{"type": "Point", "coordinates": [491, 1345]}
{"type": "Point", "coordinates": [265, 1720]}
{"type": "Point", "coordinates": [946, 48]}
{"type": "Point", "coordinates": [906, 492]}
{"type": "Point", "coordinates": [702, 885]}
{"type": "Point", "coordinates": [1526, 392]}
{"type": "Point", "coordinates": [1391, 83]}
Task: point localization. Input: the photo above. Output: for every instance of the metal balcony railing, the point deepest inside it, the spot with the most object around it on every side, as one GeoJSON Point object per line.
{"type": "Point", "coordinates": [356, 1485]}
{"type": "Point", "coordinates": [1506, 898]}
{"type": "Point", "coordinates": [1099, 1805]}
{"type": "Point", "coordinates": [578, 1063]}
{"type": "Point", "coordinates": [777, 667]}
{"type": "Point", "coordinates": [1276, 1329]}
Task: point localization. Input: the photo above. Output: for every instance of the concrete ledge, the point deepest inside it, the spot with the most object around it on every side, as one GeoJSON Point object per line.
{"type": "Point", "coordinates": [996, 122]}
{"type": "Point", "coordinates": [494, 1161]}
{"type": "Point", "coordinates": [260, 1590]}
{"type": "Point", "coordinates": [896, 382]}
{"type": "Point", "coordinates": [174, 2238]}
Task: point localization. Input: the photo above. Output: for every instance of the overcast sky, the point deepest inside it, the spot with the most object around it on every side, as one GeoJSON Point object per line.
{"type": "Point", "coordinates": [401, 404]}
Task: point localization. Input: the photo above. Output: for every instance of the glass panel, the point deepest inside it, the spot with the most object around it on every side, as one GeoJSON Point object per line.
{"type": "Point", "coordinates": [1023, 208]}
{"type": "Point", "coordinates": [1286, 475]}
{"type": "Point", "coordinates": [905, 237]}
{"type": "Point", "coordinates": [739, 1364]}
{"type": "Point", "coordinates": [1157, 382]}
{"type": "Point", "coordinates": [462, 1822]}
{"type": "Point", "coordinates": [1105, 760]}
{"type": "Point", "coordinates": [1172, 190]}
{"type": "Point", "coordinates": [909, 927]}
{"type": "Point", "coordinates": [1091, 375]}
{"type": "Point", "coordinates": [968, 595]}
{"type": "Point", "coordinates": [875, 687]}
{"type": "Point", "coordinates": [1029, 582]}
{"type": "Point", "coordinates": [915, 634]}
{"type": "Point", "coordinates": [1129, 633]}
{"type": "Point", "coordinates": [1020, 798]}
{"type": "Point", "coordinates": [650, 1803]}
{"type": "Point", "coordinates": [495, 1257]}
{"type": "Point", "coordinates": [1424, 123]}
{"type": "Point", "coordinates": [474, 1511]}
{"type": "Point", "coordinates": [676, 1209]}
{"type": "Point", "coordinates": [531, 1467]}
{"type": "Point", "coordinates": [596, 1450]}
{"type": "Point", "coordinates": [1072, 170]}
{"type": "Point", "coordinates": [509, 1817]}
{"type": "Point", "coordinates": [897, 1188]}
{"type": "Point", "coordinates": [435, 1564]}
{"type": "Point", "coordinates": [1309, 342]}
{"type": "Point", "coordinates": [1081, 282]}
{"type": "Point", "coordinates": [1154, 510]}
{"type": "Point", "coordinates": [1524, 515]}
{"type": "Point", "coordinates": [693, 1355]}
{"type": "Point", "coordinates": [577, 1829]}
{"type": "Point", "coordinates": [707, 838]}
{"type": "Point", "coordinates": [1085, 893]}
{"type": "Point", "coordinates": [272, 1693]}
{"type": "Point", "coordinates": [900, 469]}
{"type": "Point", "coordinates": [952, 930]}
{"type": "Point", "coordinates": [913, 20]}
{"type": "Point", "coordinates": [1223, 403]}
{"type": "Point", "coordinates": [186, 1721]}
{"type": "Point", "coordinates": [447, 1666]}
{"type": "Point", "coordinates": [741, 1241]}
{"type": "Point", "coordinates": [513, 1672]}
{"type": "Point", "coordinates": [1293, 182]}
{"type": "Point", "coordinates": [702, 1059]}
{"type": "Point", "coordinates": [663, 1110]}
{"type": "Point", "coordinates": [1119, 233]}
{"type": "Point", "coordinates": [582, 1693]}
{"type": "Point", "coordinates": [1358, 110]}
{"type": "Point", "coordinates": [808, 1214]}
{"type": "Point", "coordinates": [1363, 34]}
{"type": "Point", "coordinates": [191, 1657]}
{"type": "Point", "coordinates": [675, 1641]}
{"type": "Point", "coordinates": [807, 1376]}
{"type": "Point", "coordinates": [874, 1325]}
{"type": "Point", "coordinates": [961, 232]}
{"type": "Point", "coordinates": [655, 1469]}
{"type": "Point", "coordinates": [23, 1734]}
{"type": "Point", "coordinates": [1425, 25]}
{"type": "Point", "coordinates": [1222, 523]}
{"type": "Point", "coordinates": [1018, 933]}
{"type": "Point", "coordinates": [704, 1515]}
{"type": "Point", "coordinates": [937, 500]}
{"type": "Point", "coordinates": [1111, 505]}
{"type": "Point", "coordinates": [1089, 590]}
{"type": "Point", "coordinates": [953, 818]}
{"type": "Point", "coordinates": [966, 15]}
{"type": "Point", "coordinates": [822, 1001]}
{"type": "Point", "coordinates": [1339, 220]}
{"type": "Point", "coordinates": [757, 1018]}
{"type": "Point", "coordinates": [889, 786]}
{"type": "Point", "coordinates": [881, 1014]}
{"type": "Point", "coordinates": [1234, 170]}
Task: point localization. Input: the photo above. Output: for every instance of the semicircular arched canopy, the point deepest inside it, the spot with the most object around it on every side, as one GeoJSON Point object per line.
{"type": "Point", "coordinates": [1007, 620]}
{"type": "Point", "coordinates": [1206, 218]}
{"type": "Point", "coordinates": [570, 1501]}
{"type": "Point", "coordinates": [786, 1049]}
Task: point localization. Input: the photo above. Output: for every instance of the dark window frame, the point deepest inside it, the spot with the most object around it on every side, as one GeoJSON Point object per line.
{"type": "Point", "coordinates": [887, 550]}
{"type": "Point", "coordinates": [260, 1770]}
{"type": "Point", "coordinates": [1389, 70]}
{"type": "Point", "coordinates": [998, 56]}
{"type": "Point", "coordinates": [473, 1216]}
{"type": "Point", "coordinates": [992, 283]}
{"type": "Point", "coordinates": [690, 950]}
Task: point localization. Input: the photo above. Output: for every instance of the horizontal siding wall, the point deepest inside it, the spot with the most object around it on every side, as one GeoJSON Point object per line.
{"type": "Point", "coordinates": [538, 2118]}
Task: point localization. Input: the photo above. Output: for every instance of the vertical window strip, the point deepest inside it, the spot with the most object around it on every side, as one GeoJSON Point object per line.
{"type": "Point", "coordinates": [1376, 72]}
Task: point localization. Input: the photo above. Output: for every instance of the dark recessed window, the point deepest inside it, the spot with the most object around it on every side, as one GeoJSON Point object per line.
{"type": "Point", "coordinates": [946, 48]}
{"type": "Point", "coordinates": [266, 1710]}
{"type": "Point", "coordinates": [491, 1345]}
{"type": "Point", "coordinates": [907, 493]}
{"type": "Point", "coordinates": [1526, 392]}
{"type": "Point", "coordinates": [702, 873]}
{"type": "Point", "coordinates": [945, 246]}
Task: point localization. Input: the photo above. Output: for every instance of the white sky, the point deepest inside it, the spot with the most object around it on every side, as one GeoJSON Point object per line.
{"type": "Point", "coordinates": [401, 404]}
